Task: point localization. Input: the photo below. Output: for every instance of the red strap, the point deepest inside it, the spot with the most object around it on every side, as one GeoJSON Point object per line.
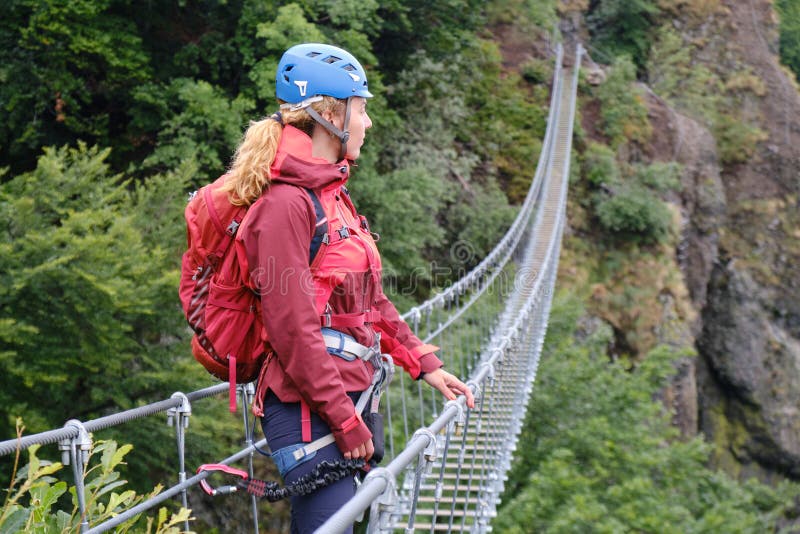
{"type": "Point", "coordinates": [305, 421]}
{"type": "Point", "coordinates": [232, 383]}
{"type": "Point", "coordinates": [386, 327]}
{"type": "Point", "coordinates": [350, 423]}
{"type": "Point", "coordinates": [224, 468]}
{"type": "Point", "coordinates": [257, 406]}
{"type": "Point", "coordinates": [212, 212]}
{"type": "Point", "coordinates": [212, 209]}
{"type": "Point", "coordinates": [349, 320]}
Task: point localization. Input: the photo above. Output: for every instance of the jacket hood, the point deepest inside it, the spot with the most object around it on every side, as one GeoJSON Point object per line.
{"type": "Point", "coordinates": [295, 165]}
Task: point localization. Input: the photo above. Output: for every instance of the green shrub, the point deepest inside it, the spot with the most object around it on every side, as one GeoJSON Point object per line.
{"type": "Point", "coordinates": [789, 11]}
{"type": "Point", "coordinates": [537, 70]}
{"type": "Point", "coordinates": [736, 138]}
{"type": "Point", "coordinates": [623, 109]}
{"type": "Point", "coordinates": [600, 165]}
{"type": "Point", "coordinates": [659, 176]}
{"type": "Point", "coordinates": [598, 453]}
{"type": "Point", "coordinates": [635, 211]}
{"type": "Point", "coordinates": [34, 497]}
{"type": "Point", "coordinates": [623, 27]}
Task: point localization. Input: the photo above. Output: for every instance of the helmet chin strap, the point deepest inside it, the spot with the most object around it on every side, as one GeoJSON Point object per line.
{"type": "Point", "coordinates": [342, 135]}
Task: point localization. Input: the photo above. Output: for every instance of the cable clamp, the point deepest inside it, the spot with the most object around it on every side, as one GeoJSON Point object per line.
{"type": "Point", "coordinates": [382, 506]}
{"type": "Point", "coordinates": [458, 421]}
{"type": "Point", "coordinates": [476, 389]}
{"type": "Point", "coordinates": [183, 410]}
{"type": "Point", "coordinates": [505, 342]}
{"type": "Point", "coordinates": [430, 452]}
{"type": "Point", "coordinates": [415, 316]}
{"type": "Point", "coordinates": [246, 392]}
{"type": "Point", "coordinates": [82, 443]}
{"type": "Point", "coordinates": [490, 367]}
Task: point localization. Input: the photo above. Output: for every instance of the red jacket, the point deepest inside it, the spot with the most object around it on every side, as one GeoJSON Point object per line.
{"type": "Point", "coordinates": [276, 235]}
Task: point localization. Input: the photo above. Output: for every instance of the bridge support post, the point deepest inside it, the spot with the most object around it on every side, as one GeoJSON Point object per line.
{"type": "Point", "coordinates": [179, 416]}
{"type": "Point", "coordinates": [380, 512]}
{"type": "Point", "coordinates": [247, 392]}
{"type": "Point", "coordinates": [76, 451]}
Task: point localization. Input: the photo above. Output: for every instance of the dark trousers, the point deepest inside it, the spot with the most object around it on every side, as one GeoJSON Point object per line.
{"type": "Point", "coordinates": [281, 425]}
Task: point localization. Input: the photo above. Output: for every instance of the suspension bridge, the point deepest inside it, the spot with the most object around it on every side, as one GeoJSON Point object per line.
{"type": "Point", "coordinates": [445, 465]}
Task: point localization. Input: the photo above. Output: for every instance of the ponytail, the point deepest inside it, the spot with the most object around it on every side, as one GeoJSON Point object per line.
{"type": "Point", "coordinates": [250, 175]}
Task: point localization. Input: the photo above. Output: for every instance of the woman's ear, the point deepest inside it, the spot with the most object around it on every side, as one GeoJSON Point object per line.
{"type": "Point", "coordinates": [329, 116]}
{"type": "Point", "coordinates": [334, 118]}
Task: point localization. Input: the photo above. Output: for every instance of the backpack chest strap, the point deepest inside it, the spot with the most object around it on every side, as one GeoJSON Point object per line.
{"type": "Point", "coordinates": [349, 320]}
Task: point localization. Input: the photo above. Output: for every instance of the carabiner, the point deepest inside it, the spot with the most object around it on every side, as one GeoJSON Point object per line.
{"type": "Point", "coordinates": [222, 490]}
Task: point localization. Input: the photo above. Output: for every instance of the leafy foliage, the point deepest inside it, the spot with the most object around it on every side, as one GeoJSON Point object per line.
{"type": "Point", "coordinates": [601, 165]}
{"type": "Point", "coordinates": [622, 27]}
{"type": "Point", "coordinates": [73, 252]}
{"type": "Point", "coordinates": [66, 69]}
{"type": "Point", "coordinates": [623, 110]}
{"type": "Point", "coordinates": [635, 211]}
{"type": "Point", "coordinates": [599, 454]}
{"type": "Point", "coordinates": [625, 197]}
{"type": "Point", "coordinates": [532, 15]}
{"type": "Point", "coordinates": [789, 12]}
{"type": "Point", "coordinates": [43, 513]}
{"type": "Point", "coordinates": [200, 126]}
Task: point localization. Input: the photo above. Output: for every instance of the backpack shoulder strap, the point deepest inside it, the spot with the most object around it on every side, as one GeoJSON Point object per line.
{"type": "Point", "coordinates": [320, 226]}
{"type": "Point", "coordinates": [227, 234]}
{"type": "Point", "coordinates": [212, 209]}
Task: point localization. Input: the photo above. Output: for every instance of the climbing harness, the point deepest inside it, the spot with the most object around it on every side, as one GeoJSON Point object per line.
{"type": "Point", "coordinates": [329, 471]}
{"type": "Point", "coordinates": [346, 347]}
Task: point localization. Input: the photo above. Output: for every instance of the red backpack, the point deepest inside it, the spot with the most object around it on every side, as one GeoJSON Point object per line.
{"type": "Point", "coordinates": [221, 307]}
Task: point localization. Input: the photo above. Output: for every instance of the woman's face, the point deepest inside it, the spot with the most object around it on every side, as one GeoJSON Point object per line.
{"type": "Point", "coordinates": [359, 123]}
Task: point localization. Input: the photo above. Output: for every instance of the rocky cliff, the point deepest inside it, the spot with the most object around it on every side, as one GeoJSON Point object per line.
{"type": "Point", "coordinates": [738, 252]}
{"type": "Point", "coordinates": [749, 368]}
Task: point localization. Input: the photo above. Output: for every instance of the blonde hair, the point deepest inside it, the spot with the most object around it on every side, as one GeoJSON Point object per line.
{"type": "Point", "coordinates": [250, 173]}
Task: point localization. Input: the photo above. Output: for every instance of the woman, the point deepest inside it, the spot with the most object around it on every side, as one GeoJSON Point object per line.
{"type": "Point", "coordinates": [288, 168]}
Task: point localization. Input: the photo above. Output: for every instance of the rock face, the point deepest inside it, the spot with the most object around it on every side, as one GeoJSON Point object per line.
{"type": "Point", "coordinates": [740, 257]}
{"type": "Point", "coordinates": [749, 369]}
{"type": "Point", "coordinates": [751, 384]}
{"type": "Point", "coordinates": [739, 251]}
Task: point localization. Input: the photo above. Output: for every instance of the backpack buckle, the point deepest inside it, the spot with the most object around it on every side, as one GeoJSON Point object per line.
{"type": "Point", "coordinates": [325, 319]}
{"type": "Point", "coordinates": [232, 228]}
{"type": "Point", "coordinates": [344, 232]}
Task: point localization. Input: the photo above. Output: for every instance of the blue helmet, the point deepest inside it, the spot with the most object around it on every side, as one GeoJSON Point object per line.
{"type": "Point", "coordinates": [313, 69]}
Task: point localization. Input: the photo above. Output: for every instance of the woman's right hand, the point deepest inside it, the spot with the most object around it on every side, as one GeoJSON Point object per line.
{"type": "Point", "coordinates": [365, 450]}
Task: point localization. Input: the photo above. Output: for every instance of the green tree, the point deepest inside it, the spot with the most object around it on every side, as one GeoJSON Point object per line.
{"type": "Point", "coordinates": [84, 289]}
{"type": "Point", "coordinates": [789, 12]}
{"type": "Point", "coordinates": [198, 124]}
{"type": "Point", "coordinates": [598, 453]}
{"type": "Point", "coordinates": [623, 108]}
{"type": "Point", "coordinates": [65, 70]}
{"type": "Point", "coordinates": [623, 27]}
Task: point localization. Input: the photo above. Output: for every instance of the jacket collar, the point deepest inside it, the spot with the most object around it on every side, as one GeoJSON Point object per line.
{"type": "Point", "coordinates": [295, 165]}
